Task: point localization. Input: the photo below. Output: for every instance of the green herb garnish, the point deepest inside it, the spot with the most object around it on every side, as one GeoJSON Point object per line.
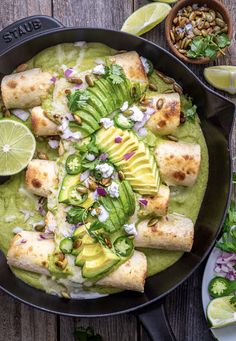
{"type": "Point", "coordinates": [86, 334]}
{"type": "Point", "coordinates": [227, 242]}
{"type": "Point", "coordinates": [208, 46]}
{"type": "Point", "coordinates": [77, 100]}
{"type": "Point", "coordinates": [187, 108]}
{"type": "Point", "coordinates": [76, 215]}
{"type": "Point", "coordinates": [114, 73]}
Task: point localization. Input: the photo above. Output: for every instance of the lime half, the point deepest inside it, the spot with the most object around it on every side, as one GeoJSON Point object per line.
{"type": "Point", "coordinates": [17, 146]}
{"type": "Point", "coordinates": [222, 77]}
{"type": "Point", "coordinates": [145, 18]}
{"type": "Point", "coordinates": [220, 312]}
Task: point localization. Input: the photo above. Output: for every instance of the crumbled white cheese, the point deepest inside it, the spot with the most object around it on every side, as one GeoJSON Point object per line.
{"type": "Point", "coordinates": [67, 133]}
{"type": "Point", "coordinates": [104, 215]}
{"type": "Point", "coordinates": [90, 157]}
{"type": "Point", "coordinates": [130, 229]}
{"type": "Point", "coordinates": [137, 115]}
{"type": "Point", "coordinates": [105, 169]}
{"type": "Point", "coordinates": [149, 111]}
{"type": "Point", "coordinates": [101, 213]}
{"type": "Point", "coordinates": [145, 64]}
{"type": "Point", "coordinates": [99, 70]}
{"type": "Point", "coordinates": [124, 106]}
{"type": "Point", "coordinates": [54, 144]}
{"type": "Point", "coordinates": [106, 122]}
{"type": "Point", "coordinates": [113, 190]}
{"type": "Point", "coordinates": [17, 229]}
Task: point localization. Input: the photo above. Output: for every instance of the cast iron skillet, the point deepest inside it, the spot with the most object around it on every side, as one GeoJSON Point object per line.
{"type": "Point", "coordinates": [22, 40]}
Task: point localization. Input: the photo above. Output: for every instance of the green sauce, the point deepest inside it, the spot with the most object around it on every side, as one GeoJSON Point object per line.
{"type": "Point", "coordinates": [14, 198]}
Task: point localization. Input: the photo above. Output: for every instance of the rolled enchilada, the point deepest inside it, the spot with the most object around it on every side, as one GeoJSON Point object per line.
{"type": "Point", "coordinates": [41, 124]}
{"type": "Point", "coordinates": [25, 89]}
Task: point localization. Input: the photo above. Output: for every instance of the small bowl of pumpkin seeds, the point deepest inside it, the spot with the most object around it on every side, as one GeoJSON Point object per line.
{"type": "Point", "coordinates": [198, 31]}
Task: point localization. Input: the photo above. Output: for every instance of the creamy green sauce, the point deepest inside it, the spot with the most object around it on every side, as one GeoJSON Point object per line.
{"type": "Point", "coordinates": [15, 200]}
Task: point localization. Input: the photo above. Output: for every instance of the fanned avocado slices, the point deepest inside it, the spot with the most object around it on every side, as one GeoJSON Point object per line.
{"type": "Point", "coordinates": [100, 101]}
{"type": "Point", "coordinates": [132, 157]}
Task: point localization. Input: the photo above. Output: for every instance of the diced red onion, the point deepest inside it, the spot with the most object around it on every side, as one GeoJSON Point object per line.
{"type": "Point", "coordinates": [68, 72]}
{"type": "Point", "coordinates": [53, 79]}
{"type": "Point", "coordinates": [21, 114]}
{"type": "Point", "coordinates": [128, 155]}
{"type": "Point", "coordinates": [101, 191]}
{"type": "Point", "coordinates": [225, 265]}
{"type": "Point", "coordinates": [143, 202]}
{"type": "Point", "coordinates": [54, 144]}
{"type": "Point", "coordinates": [44, 236]}
{"type": "Point", "coordinates": [23, 241]}
{"type": "Point", "coordinates": [118, 139]}
{"type": "Point", "coordinates": [103, 156]}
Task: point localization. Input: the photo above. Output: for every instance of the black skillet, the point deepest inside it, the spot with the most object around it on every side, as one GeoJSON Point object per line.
{"type": "Point", "coordinates": [22, 40]}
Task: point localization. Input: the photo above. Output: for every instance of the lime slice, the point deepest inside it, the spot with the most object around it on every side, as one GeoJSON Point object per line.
{"type": "Point", "coordinates": [222, 77]}
{"type": "Point", "coordinates": [145, 18]}
{"type": "Point", "coordinates": [220, 312]}
{"type": "Point", "coordinates": [17, 146]}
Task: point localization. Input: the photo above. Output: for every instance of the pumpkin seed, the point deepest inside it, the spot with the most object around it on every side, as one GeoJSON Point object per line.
{"type": "Point", "coordinates": [128, 112]}
{"type": "Point", "coordinates": [133, 91]}
{"type": "Point", "coordinates": [153, 221]}
{"type": "Point", "coordinates": [77, 119]}
{"type": "Point", "coordinates": [178, 88]}
{"type": "Point", "coordinates": [183, 51]}
{"type": "Point", "coordinates": [81, 189]}
{"type": "Point", "coordinates": [75, 80]}
{"type": "Point", "coordinates": [204, 33]}
{"type": "Point", "coordinates": [106, 182]}
{"type": "Point", "coordinates": [212, 13]}
{"type": "Point", "coordinates": [89, 80]}
{"type": "Point", "coordinates": [183, 43]}
{"type": "Point", "coordinates": [39, 228]}
{"type": "Point", "coordinates": [142, 108]}
{"type": "Point", "coordinates": [42, 156]}
{"type": "Point", "coordinates": [121, 175]}
{"type": "Point", "coordinates": [168, 80]}
{"type": "Point", "coordinates": [216, 29]}
{"type": "Point", "coordinates": [192, 16]}
{"type": "Point", "coordinates": [65, 294]}
{"type": "Point", "coordinates": [219, 15]}
{"type": "Point", "coordinates": [172, 36]}
{"type": "Point", "coordinates": [92, 185]}
{"type": "Point", "coordinates": [152, 87]}
{"type": "Point", "coordinates": [220, 22]}
{"type": "Point", "coordinates": [160, 103]}
{"type": "Point", "coordinates": [197, 32]}
{"type": "Point", "coordinates": [61, 149]}
{"type": "Point", "coordinates": [225, 29]}
{"type": "Point", "coordinates": [172, 138]}
{"type": "Point", "coordinates": [176, 20]}
{"type": "Point", "coordinates": [206, 24]}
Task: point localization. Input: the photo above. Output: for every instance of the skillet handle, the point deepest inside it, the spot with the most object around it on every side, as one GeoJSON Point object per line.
{"type": "Point", "coordinates": [24, 29]}
{"type": "Point", "coordinates": [156, 323]}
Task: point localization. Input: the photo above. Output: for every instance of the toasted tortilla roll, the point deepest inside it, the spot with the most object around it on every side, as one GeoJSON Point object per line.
{"type": "Point", "coordinates": [132, 66]}
{"type": "Point", "coordinates": [25, 89]}
{"type": "Point", "coordinates": [41, 125]}
{"type": "Point", "coordinates": [41, 177]}
{"type": "Point", "coordinates": [157, 205]}
{"type": "Point", "coordinates": [166, 117]}
{"type": "Point", "coordinates": [28, 251]}
{"type": "Point", "coordinates": [179, 162]}
{"type": "Point", "coordinates": [129, 276]}
{"type": "Point", "coordinates": [172, 232]}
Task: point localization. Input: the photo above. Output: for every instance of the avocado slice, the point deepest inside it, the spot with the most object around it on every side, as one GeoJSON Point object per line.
{"type": "Point", "coordinates": [110, 90]}
{"type": "Point", "coordinates": [140, 169]}
{"type": "Point", "coordinates": [89, 252]}
{"type": "Point", "coordinates": [104, 98]}
{"type": "Point", "coordinates": [113, 218]}
{"type": "Point", "coordinates": [98, 105]}
{"type": "Point", "coordinates": [104, 87]}
{"type": "Point", "coordinates": [124, 198]}
{"type": "Point", "coordinates": [100, 264]}
{"type": "Point", "coordinates": [68, 182]}
{"type": "Point", "coordinates": [130, 196]}
{"type": "Point", "coordinates": [85, 130]}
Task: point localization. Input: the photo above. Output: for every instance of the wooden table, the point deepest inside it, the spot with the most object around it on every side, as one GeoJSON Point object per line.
{"type": "Point", "coordinates": [19, 322]}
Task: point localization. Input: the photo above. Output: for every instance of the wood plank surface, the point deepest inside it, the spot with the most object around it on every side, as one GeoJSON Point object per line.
{"type": "Point", "coordinates": [22, 323]}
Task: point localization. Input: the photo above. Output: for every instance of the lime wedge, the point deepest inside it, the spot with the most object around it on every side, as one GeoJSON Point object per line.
{"type": "Point", "coordinates": [17, 146]}
{"type": "Point", "coordinates": [222, 77]}
{"type": "Point", "coordinates": [145, 18]}
{"type": "Point", "coordinates": [220, 312]}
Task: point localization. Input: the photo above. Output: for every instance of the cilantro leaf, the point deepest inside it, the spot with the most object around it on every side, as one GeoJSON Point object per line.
{"type": "Point", "coordinates": [227, 242]}
{"type": "Point", "coordinates": [222, 40]}
{"type": "Point", "coordinates": [77, 100]}
{"type": "Point", "coordinates": [208, 46]}
{"type": "Point", "coordinates": [114, 73]}
{"type": "Point", "coordinates": [187, 108]}
{"type": "Point", "coordinates": [76, 215]}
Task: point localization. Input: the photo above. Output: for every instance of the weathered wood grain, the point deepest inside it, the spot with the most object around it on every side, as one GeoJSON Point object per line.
{"type": "Point", "coordinates": [21, 323]}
